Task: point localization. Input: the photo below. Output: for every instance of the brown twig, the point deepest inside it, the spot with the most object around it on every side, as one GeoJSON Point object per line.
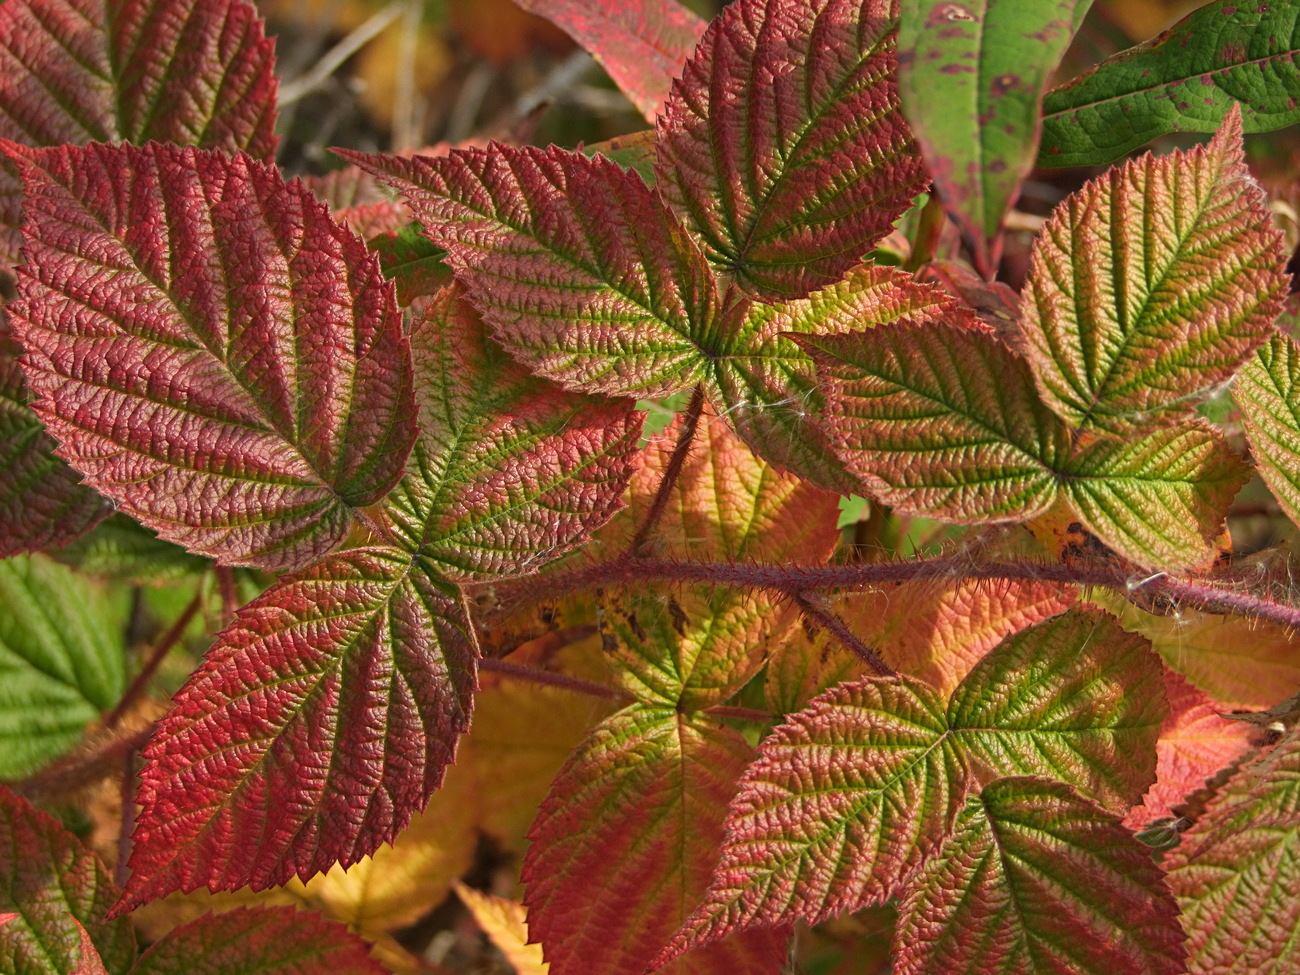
{"type": "Point", "coordinates": [685, 436]}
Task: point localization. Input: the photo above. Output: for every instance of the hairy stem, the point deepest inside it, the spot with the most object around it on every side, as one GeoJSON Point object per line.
{"type": "Point", "coordinates": [690, 421]}
{"type": "Point", "coordinates": [1211, 596]}
{"type": "Point", "coordinates": [830, 622]}
{"type": "Point", "coordinates": [160, 650]}
{"type": "Point", "coordinates": [496, 666]}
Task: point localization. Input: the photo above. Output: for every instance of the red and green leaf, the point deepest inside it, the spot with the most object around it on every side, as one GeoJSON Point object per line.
{"type": "Point", "coordinates": [52, 886]}
{"type": "Point", "coordinates": [1196, 743]}
{"type": "Point", "coordinates": [1035, 878]}
{"type": "Point", "coordinates": [633, 821]}
{"type": "Point", "coordinates": [259, 941]}
{"type": "Point", "coordinates": [1237, 870]}
{"type": "Point", "coordinates": [244, 385]}
{"type": "Point", "coordinates": [508, 470]}
{"type": "Point", "coordinates": [578, 267]}
{"type": "Point", "coordinates": [1188, 79]}
{"type": "Point", "coordinates": [849, 796]}
{"type": "Point", "coordinates": [641, 43]}
{"type": "Point", "coordinates": [782, 145]}
{"type": "Point", "coordinates": [319, 723]}
{"type": "Point", "coordinates": [1267, 392]}
{"type": "Point", "coordinates": [195, 72]}
{"type": "Point", "coordinates": [1152, 285]}
{"type": "Point", "coordinates": [971, 77]}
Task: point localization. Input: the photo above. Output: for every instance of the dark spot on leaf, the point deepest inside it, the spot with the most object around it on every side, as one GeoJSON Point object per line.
{"type": "Point", "coordinates": [1004, 83]}
{"type": "Point", "coordinates": [948, 12]}
{"type": "Point", "coordinates": [1074, 526]}
{"type": "Point", "coordinates": [997, 166]}
{"type": "Point", "coordinates": [956, 69]}
{"type": "Point", "coordinates": [680, 619]}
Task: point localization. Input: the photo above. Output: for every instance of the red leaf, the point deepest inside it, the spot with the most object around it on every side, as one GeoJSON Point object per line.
{"type": "Point", "coordinates": [195, 72]}
{"type": "Point", "coordinates": [1196, 742]}
{"type": "Point", "coordinates": [623, 847]}
{"type": "Point", "coordinates": [783, 145]}
{"type": "Point", "coordinates": [508, 471]}
{"type": "Point", "coordinates": [641, 43]}
{"type": "Point", "coordinates": [89, 962]}
{"type": "Point", "coordinates": [244, 384]}
{"type": "Point", "coordinates": [582, 272]}
{"type": "Point", "coordinates": [50, 886]}
{"type": "Point", "coordinates": [319, 723]}
{"type": "Point", "coordinates": [259, 941]}
{"type": "Point", "coordinates": [42, 501]}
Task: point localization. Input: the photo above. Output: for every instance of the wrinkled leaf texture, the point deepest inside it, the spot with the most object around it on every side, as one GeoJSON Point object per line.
{"type": "Point", "coordinates": [244, 385]}
{"type": "Point", "coordinates": [1267, 392]}
{"type": "Point", "coordinates": [782, 145]}
{"type": "Point", "coordinates": [641, 43]}
{"type": "Point", "coordinates": [624, 843]}
{"type": "Point", "coordinates": [849, 796]}
{"type": "Point", "coordinates": [1224, 54]}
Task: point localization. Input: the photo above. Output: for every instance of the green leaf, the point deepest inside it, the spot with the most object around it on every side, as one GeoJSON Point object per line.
{"type": "Point", "coordinates": [123, 549]}
{"type": "Point", "coordinates": [1267, 392]}
{"type": "Point", "coordinates": [1150, 286]}
{"type": "Point", "coordinates": [850, 794]}
{"type": "Point", "coordinates": [1238, 868]}
{"type": "Point", "coordinates": [971, 77]}
{"type": "Point", "coordinates": [412, 261]}
{"type": "Point", "coordinates": [1186, 80]}
{"type": "Point", "coordinates": [1034, 878]}
{"type": "Point", "coordinates": [508, 470]}
{"type": "Point", "coordinates": [60, 666]}
{"type": "Point", "coordinates": [942, 420]}
{"type": "Point", "coordinates": [638, 810]}
{"type": "Point", "coordinates": [53, 885]}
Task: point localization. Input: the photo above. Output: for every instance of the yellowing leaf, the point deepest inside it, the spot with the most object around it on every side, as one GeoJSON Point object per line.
{"type": "Point", "coordinates": [505, 923]}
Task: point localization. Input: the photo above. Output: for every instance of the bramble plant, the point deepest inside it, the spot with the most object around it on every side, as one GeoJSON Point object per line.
{"type": "Point", "coordinates": [407, 432]}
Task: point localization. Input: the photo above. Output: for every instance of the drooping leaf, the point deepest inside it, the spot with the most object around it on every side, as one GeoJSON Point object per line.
{"type": "Point", "coordinates": [1186, 80]}
{"type": "Point", "coordinates": [850, 794]}
{"type": "Point", "coordinates": [623, 846]}
{"type": "Point", "coordinates": [42, 501]}
{"type": "Point", "coordinates": [195, 72]}
{"type": "Point", "coordinates": [1195, 744]}
{"type": "Point", "coordinates": [318, 724]}
{"type": "Point", "coordinates": [1062, 699]}
{"type": "Point", "coordinates": [580, 270]}
{"type": "Point", "coordinates": [244, 385]}
{"type": "Point", "coordinates": [1237, 869]}
{"type": "Point", "coordinates": [970, 78]}
{"type": "Point", "coordinates": [943, 421]}
{"type": "Point", "coordinates": [52, 884]}
{"type": "Point", "coordinates": [1267, 392]}
{"type": "Point", "coordinates": [1152, 285]}
{"type": "Point", "coordinates": [641, 43]}
{"type": "Point", "coordinates": [506, 925]}
{"type": "Point", "coordinates": [60, 667]}
{"type": "Point", "coordinates": [1034, 878]}
{"type": "Point", "coordinates": [259, 941]}
{"type": "Point", "coordinates": [508, 470]}
{"type": "Point", "coordinates": [123, 549]}
{"type": "Point", "coordinates": [782, 145]}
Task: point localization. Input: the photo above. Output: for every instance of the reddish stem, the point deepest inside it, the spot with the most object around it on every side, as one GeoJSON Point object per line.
{"type": "Point", "coordinates": [829, 621]}
{"type": "Point", "coordinates": [496, 666]}
{"type": "Point", "coordinates": [685, 436]}
{"type": "Point", "coordinates": [229, 595]}
{"type": "Point", "coordinates": [151, 665]}
{"type": "Point", "coordinates": [740, 714]}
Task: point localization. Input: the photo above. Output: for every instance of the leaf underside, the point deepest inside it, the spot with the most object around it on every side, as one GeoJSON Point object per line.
{"type": "Point", "coordinates": [782, 144]}
{"type": "Point", "coordinates": [245, 383]}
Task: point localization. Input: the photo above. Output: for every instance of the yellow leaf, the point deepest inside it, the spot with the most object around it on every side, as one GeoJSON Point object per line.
{"type": "Point", "coordinates": [504, 922]}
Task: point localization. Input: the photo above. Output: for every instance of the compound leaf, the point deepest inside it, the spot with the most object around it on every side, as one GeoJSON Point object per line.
{"type": "Point", "coordinates": [1151, 285]}
{"type": "Point", "coordinates": [60, 666]}
{"type": "Point", "coordinates": [1196, 743]}
{"type": "Point", "coordinates": [850, 794]}
{"type": "Point", "coordinates": [1235, 872]}
{"type": "Point", "coordinates": [508, 470]}
{"type": "Point", "coordinates": [782, 145]}
{"type": "Point", "coordinates": [1034, 878]}
{"type": "Point", "coordinates": [244, 384]}
{"type": "Point", "coordinates": [970, 77]}
{"type": "Point", "coordinates": [1186, 80]}
{"type": "Point", "coordinates": [1097, 692]}
{"type": "Point", "coordinates": [196, 72]}
{"type": "Point", "coordinates": [642, 43]}
{"type": "Point", "coordinates": [259, 941]}
{"type": "Point", "coordinates": [578, 267]}
{"type": "Point", "coordinates": [318, 724]}
{"type": "Point", "coordinates": [1267, 392]}
{"type": "Point", "coordinates": [634, 820]}
{"type": "Point", "coordinates": [51, 886]}
{"type": "Point", "coordinates": [42, 501]}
